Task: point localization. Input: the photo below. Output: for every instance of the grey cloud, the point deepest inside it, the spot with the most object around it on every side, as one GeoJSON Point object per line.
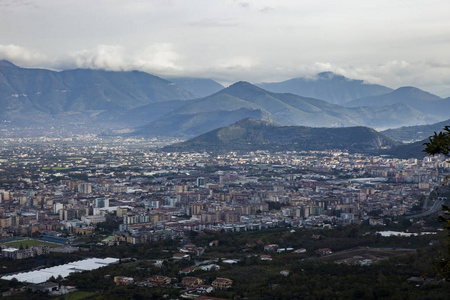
{"type": "Point", "coordinates": [388, 42]}
{"type": "Point", "coordinates": [230, 22]}
{"type": "Point", "coordinates": [22, 56]}
{"type": "Point", "coordinates": [17, 3]}
{"type": "Point", "coordinates": [267, 9]}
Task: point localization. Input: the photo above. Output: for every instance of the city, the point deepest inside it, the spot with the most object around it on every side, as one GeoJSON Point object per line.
{"type": "Point", "coordinates": [72, 191]}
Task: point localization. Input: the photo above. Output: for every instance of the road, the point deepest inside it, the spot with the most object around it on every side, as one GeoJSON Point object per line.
{"type": "Point", "coordinates": [433, 209]}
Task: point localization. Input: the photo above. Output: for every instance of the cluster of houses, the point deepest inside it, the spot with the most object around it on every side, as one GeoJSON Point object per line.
{"type": "Point", "coordinates": [22, 253]}
{"type": "Point", "coordinates": [190, 283]}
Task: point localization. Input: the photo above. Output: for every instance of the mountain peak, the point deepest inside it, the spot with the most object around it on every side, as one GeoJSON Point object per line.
{"type": "Point", "coordinates": [330, 75]}
{"type": "Point", "coordinates": [7, 64]}
{"type": "Point", "coordinates": [413, 92]}
{"type": "Point", "coordinates": [244, 89]}
{"type": "Point", "coordinates": [241, 84]}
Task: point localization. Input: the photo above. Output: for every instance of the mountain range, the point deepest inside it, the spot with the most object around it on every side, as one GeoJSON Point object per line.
{"type": "Point", "coordinates": [327, 86]}
{"type": "Point", "coordinates": [414, 97]}
{"type": "Point", "coordinates": [243, 99]}
{"type": "Point", "coordinates": [200, 87]}
{"type": "Point", "coordinates": [137, 103]}
{"type": "Point", "coordinates": [81, 90]}
{"type": "Point", "coordinates": [410, 134]}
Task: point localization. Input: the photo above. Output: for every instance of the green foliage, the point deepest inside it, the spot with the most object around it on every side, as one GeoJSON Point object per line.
{"type": "Point", "coordinates": [439, 143]}
{"type": "Point", "coordinates": [78, 295]}
{"type": "Point", "coordinates": [13, 283]}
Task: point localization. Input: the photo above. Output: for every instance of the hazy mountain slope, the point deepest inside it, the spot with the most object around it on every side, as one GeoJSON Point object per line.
{"type": "Point", "coordinates": [415, 133]}
{"type": "Point", "coordinates": [414, 97]}
{"type": "Point", "coordinates": [283, 109]}
{"type": "Point", "coordinates": [327, 86]}
{"type": "Point", "coordinates": [25, 90]}
{"type": "Point", "coordinates": [189, 125]}
{"type": "Point", "coordinates": [103, 100]}
{"type": "Point", "coordinates": [395, 115]}
{"type": "Point", "coordinates": [200, 87]}
{"type": "Point", "coordinates": [249, 134]}
{"type": "Point", "coordinates": [413, 150]}
{"type": "Point", "coordinates": [286, 109]}
{"type": "Point", "coordinates": [142, 115]}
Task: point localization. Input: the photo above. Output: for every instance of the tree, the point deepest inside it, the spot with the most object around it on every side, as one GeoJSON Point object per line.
{"type": "Point", "coordinates": [439, 143]}
{"type": "Point", "coordinates": [13, 283]}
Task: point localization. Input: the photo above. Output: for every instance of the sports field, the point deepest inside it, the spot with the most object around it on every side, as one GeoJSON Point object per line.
{"type": "Point", "coordinates": [29, 243]}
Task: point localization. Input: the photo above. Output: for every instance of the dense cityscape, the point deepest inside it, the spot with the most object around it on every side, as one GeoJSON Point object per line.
{"type": "Point", "coordinates": [72, 192]}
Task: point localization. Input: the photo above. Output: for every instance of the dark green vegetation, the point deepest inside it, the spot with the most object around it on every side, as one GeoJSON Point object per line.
{"type": "Point", "coordinates": [337, 276]}
{"type": "Point", "coordinates": [327, 86]}
{"type": "Point", "coordinates": [412, 150]}
{"type": "Point", "coordinates": [79, 295]}
{"type": "Point", "coordinates": [439, 143]}
{"type": "Point", "coordinates": [249, 134]}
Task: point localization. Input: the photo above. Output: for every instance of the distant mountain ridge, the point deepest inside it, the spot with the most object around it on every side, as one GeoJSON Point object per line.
{"type": "Point", "coordinates": [327, 86]}
{"type": "Point", "coordinates": [415, 133]}
{"type": "Point", "coordinates": [250, 135]}
{"type": "Point", "coordinates": [414, 97]}
{"type": "Point", "coordinates": [188, 125]}
{"type": "Point", "coordinates": [81, 90]}
{"type": "Point", "coordinates": [137, 103]}
{"type": "Point", "coordinates": [200, 87]}
{"type": "Point", "coordinates": [279, 108]}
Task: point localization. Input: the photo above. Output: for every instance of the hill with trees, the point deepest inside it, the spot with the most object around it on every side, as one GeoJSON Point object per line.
{"type": "Point", "coordinates": [250, 134]}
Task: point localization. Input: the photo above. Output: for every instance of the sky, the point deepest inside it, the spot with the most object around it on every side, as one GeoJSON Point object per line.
{"type": "Point", "coordinates": [391, 42]}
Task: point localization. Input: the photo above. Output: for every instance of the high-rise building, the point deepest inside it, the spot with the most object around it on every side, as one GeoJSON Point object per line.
{"type": "Point", "coordinates": [84, 188]}
{"type": "Point", "coordinates": [200, 181]}
{"type": "Point", "coordinates": [101, 202]}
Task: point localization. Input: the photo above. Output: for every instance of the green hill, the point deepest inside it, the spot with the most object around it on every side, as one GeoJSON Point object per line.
{"type": "Point", "coordinates": [250, 135]}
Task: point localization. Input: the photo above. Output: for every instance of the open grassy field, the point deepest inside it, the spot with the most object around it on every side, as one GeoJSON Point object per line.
{"type": "Point", "coordinates": [78, 295]}
{"type": "Point", "coordinates": [352, 256]}
{"type": "Point", "coordinates": [29, 243]}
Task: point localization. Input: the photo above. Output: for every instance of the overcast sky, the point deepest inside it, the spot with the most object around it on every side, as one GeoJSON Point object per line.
{"type": "Point", "coordinates": [390, 42]}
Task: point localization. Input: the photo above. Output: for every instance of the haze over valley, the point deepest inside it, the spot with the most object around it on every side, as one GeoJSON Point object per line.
{"type": "Point", "coordinates": [140, 104]}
